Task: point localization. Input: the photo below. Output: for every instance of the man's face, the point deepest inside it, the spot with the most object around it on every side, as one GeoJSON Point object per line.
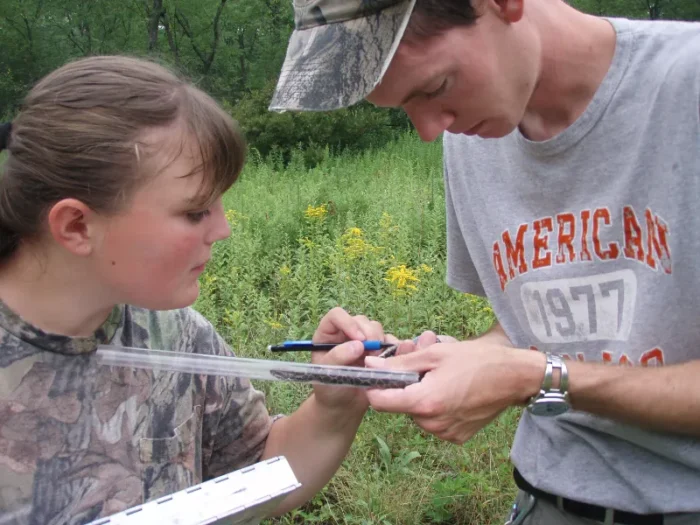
{"type": "Point", "coordinates": [474, 80]}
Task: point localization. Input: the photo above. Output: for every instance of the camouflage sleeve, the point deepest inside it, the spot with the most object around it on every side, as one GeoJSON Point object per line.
{"type": "Point", "coordinates": [236, 421]}
{"type": "Point", "coordinates": [242, 431]}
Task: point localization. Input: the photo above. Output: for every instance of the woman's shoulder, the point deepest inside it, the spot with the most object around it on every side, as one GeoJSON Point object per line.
{"type": "Point", "coordinates": [181, 330]}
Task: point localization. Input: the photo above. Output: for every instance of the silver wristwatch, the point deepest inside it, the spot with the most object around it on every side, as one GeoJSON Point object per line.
{"type": "Point", "coordinates": [551, 401]}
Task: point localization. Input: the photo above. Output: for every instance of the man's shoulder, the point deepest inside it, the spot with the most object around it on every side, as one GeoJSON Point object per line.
{"type": "Point", "coordinates": [665, 29]}
{"type": "Point", "coordinates": [665, 43]}
{"type": "Point", "coordinates": [665, 65]}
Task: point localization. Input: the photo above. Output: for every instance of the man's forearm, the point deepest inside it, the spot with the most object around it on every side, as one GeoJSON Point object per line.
{"type": "Point", "coordinates": [658, 398]}
{"type": "Point", "coordinates": [495, 335]}
{"type": "Point", "coordinates": [665, 399]}
{"type": "Point", "coordinates": [314, 443]}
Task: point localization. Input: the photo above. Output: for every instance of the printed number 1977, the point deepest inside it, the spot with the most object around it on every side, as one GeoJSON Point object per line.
{"type": "Point", "coordinates": [599, 307]}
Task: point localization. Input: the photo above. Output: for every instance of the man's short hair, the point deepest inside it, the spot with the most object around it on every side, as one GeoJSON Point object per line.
{"type": "Point", "coordinates": [431, 17]}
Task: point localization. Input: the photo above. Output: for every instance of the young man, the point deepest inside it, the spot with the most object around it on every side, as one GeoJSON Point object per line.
{"type": "Point", "coordinates": [572, 172]}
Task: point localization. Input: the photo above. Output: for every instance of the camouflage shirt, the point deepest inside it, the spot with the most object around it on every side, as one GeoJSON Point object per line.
{"type": "Point", "coordinates": [80, 441]}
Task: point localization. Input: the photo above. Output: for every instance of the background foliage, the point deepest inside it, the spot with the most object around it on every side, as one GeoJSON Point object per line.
{"type": "Point", "coordinates": [231, 48]}
{"type": "Point", "coordinates": [366, 232]}
{"type": "Point", "coordinates": [343, 208]}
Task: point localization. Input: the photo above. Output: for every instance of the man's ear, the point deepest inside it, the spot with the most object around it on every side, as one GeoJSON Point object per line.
{"type": "Point", "coordinates": [509, 11]}
{"type": "Point", "coordinates": [72, 225]}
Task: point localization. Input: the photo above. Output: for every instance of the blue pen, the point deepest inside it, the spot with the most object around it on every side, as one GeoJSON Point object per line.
{"type": "Point", "coordinates": [295, 346]}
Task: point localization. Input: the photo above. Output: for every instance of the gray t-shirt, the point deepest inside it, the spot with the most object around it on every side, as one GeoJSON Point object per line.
{"type": "Point", "coordinates": [587, 244]}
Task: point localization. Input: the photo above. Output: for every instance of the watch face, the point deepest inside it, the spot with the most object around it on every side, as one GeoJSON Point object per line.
{"type": "Point", "coordinates": [549, 407]}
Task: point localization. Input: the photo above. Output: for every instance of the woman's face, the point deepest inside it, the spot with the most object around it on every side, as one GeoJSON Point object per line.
{"type": "Point", "coordinates": [152, 254]}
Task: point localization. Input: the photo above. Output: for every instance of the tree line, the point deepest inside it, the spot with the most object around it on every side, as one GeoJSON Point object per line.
{"type": "Point", "coordinates": [231, 48]}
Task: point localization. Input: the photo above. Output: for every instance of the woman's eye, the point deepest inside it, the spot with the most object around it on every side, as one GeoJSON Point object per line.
{"type": "Point", "coordinates": [197, 216]}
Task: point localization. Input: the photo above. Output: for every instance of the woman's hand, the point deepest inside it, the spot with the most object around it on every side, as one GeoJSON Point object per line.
{"type": "Point", "coordinates": [338, 326]}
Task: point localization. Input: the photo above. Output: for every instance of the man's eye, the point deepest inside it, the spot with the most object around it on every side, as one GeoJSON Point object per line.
{"type": "Point", "coordinates": [439, 91]}
{"type": "Point", "coordinates": [197, 216]}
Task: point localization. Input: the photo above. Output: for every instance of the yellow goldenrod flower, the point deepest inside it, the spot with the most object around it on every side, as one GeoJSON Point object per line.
{"type": "Point", "coordinates": [354, 245]}
{"type": "Point", "coordinates": [275, 325]}
{"type": "Point", "coordinates": [355, 248]}
{"type": "Point", "coordinates": [402, 279]}
{"type": "Point", "coordinates": [232, 318]}
{"type": "Point", "coordinates": [285, 270]}
{"type": "Point", "coordinates": [425, 268]}
{"type": "Point", "coordinates": [234, 217]}
{"type": "Point", "coordinates": [317, 213]}
{"type": "Point", "coordinates": [385, 221]}
{"type": "Point", "coordinates": [307, 242]}
{"type": "Point", "coordinates": [386, 224]}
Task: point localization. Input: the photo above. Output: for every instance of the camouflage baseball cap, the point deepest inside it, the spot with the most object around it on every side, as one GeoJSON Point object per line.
{"type": "Point", "coordinates": [338, 52]}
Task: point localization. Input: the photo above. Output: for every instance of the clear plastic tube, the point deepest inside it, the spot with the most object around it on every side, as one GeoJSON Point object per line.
{"type": "Point", "coordinates": [264, 369]}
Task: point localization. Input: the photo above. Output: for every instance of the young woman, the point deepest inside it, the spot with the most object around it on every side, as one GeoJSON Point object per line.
{"type": "Point", "coordinates": [110, 201]}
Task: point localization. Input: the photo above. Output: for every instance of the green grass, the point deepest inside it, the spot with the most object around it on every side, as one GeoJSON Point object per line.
{"type": "Point", "coordinates": [304, 241]}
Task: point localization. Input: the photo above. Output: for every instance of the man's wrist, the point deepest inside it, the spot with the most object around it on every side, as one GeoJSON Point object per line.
{"type": "Point", "coordinates": [530, 369]}
{"type": "Point", "coordinates": [494, 335]}
{"type": "Point", "coordinates": [553, 397]}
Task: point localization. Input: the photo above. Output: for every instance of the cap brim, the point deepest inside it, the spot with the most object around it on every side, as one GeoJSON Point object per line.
{"type": "Point", "coordinates": [337, 65]}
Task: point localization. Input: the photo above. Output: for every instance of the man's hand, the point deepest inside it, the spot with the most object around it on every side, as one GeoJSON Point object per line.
{"type": "Point", "coordinates": [337, 326]}
{"type": "Point", "coordinates": [465, 387]}
{"type": "Point", "coordinates": [423, 341]}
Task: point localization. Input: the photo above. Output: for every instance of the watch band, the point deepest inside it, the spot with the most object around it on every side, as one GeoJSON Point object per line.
{"type": "Point", "coordinates": [550, 400]}
{"type": "Point", "coordinates": [548, 374]}
{"type": "Point", "coordinates": [555, 361]}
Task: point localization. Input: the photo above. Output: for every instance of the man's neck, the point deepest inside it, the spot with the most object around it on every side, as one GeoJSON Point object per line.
{"type": "Point", "coordinates": [55, 296]}
{"type": "Point", "coordinates": [577, 51]}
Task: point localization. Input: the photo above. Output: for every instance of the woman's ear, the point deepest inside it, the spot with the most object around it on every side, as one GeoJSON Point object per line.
{"type": "Point", "coordinates": [73, 226]}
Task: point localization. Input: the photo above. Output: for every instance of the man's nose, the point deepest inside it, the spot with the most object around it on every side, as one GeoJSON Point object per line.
{"type": "Point", "coordinates": [430, 123]}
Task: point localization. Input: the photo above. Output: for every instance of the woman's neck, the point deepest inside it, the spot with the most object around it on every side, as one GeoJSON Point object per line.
{"type": "Point", "coordinates": [53, 292]}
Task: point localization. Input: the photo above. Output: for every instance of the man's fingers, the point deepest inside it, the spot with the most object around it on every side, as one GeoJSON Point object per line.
{"type": "Point", "coordinates": [406, 347]}
{"type": "Point", "coordinates": [426, 339]}
{"type": "Point", "coordinates": [414, 361]}
{"type": "Point", "coordinates": [434, 425]}
{"type": "Point", "coordinates": [396, 400]}
{"type": "Point", "coordinates": [421, 342]}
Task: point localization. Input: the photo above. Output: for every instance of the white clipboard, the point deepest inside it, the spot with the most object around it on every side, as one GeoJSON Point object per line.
{"type": "Point", "coordinates": [243, 497]}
